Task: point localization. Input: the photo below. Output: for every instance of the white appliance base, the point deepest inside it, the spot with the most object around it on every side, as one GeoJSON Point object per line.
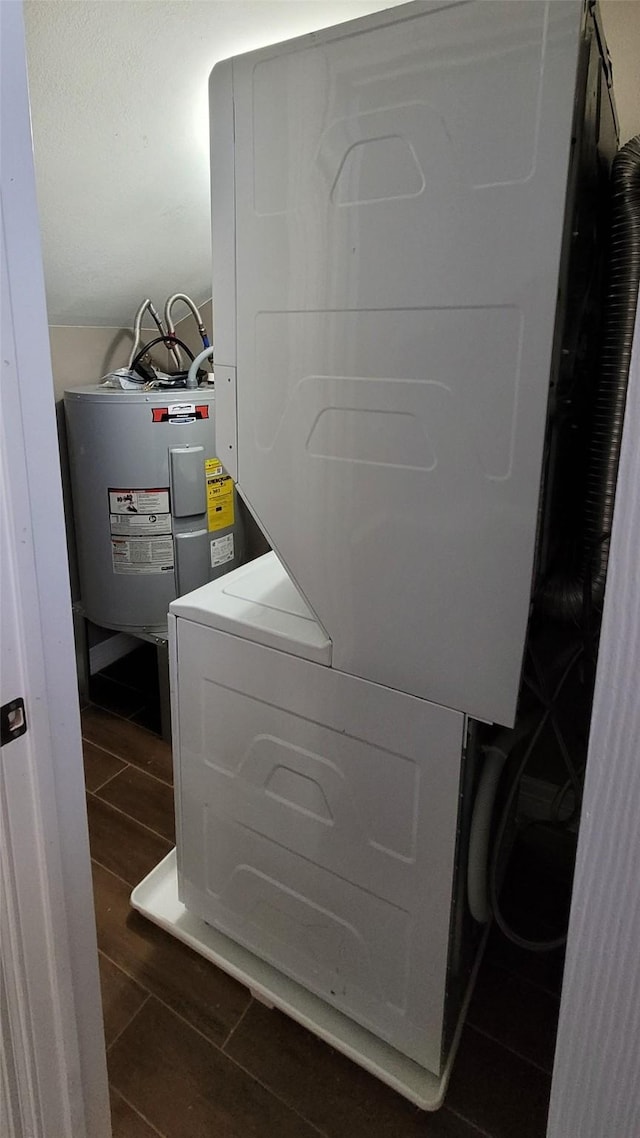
{"type": "Point", "coordinates": [156, 897]}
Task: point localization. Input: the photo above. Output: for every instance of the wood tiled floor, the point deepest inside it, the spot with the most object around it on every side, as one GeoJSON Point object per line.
{"type": "Point", "coordinates": [192, 1055]}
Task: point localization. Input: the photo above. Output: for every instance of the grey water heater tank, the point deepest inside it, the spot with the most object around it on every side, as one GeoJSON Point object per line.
{"type": "Point", "coordinates": [155, 513]}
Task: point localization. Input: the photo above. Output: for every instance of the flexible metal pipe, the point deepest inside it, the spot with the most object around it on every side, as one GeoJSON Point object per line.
{"type": "Point", "coordinates": [564, 596]}
{"type": "Point", "coordinates": [195, 311]}
{"type": "Point", "coordinates": [148, 306]}
{"type": "Point", "coordinates": [137, 328]}
{"type": "Point", "coordinates": [189, 303]}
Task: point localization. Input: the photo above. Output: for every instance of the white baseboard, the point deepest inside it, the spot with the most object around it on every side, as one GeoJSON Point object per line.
{"type": "Point", "coordinates": [109, 650]}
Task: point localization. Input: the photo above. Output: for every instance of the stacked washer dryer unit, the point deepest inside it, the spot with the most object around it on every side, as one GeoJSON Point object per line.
{"type": "Point", "coordinates": [388, 216]}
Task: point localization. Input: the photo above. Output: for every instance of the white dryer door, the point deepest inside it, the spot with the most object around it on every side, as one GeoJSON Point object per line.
{"type": "Point", "coordinates": [399, 201]}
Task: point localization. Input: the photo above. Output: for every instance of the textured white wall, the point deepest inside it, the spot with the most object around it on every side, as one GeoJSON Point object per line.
{"type": "Point", "coordinates": [621, 21]}
{"type": "Point", "coordinates": [120, 127]}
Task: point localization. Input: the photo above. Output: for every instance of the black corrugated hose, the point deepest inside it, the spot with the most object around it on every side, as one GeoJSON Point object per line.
{"type": "Point", "coordinates": [565, 596]}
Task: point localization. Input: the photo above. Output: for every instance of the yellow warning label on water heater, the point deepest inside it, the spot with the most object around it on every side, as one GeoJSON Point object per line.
{"type": "Point", "coordinates": [212, 467]}
{"type": "Point", "coordinates": [220, 512]}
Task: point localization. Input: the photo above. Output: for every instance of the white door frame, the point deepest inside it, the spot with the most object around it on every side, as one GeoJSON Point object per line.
{"type": "Point", "coordinates": [596, 1074]}
{"type": "Point", "coordinates": [53, 1074]}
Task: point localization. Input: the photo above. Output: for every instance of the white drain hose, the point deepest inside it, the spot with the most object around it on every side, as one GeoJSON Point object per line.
{"type": "Point", "coordinates": [192, 378]}
{"type": "Point", "coordinates": [480, 834]}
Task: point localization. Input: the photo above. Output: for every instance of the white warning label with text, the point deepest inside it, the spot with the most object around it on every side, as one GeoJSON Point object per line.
{"type": "Point", "coordinates": [221, 550]}
{"type": "Point", "coordinates": [138, 524]}
{"type": "Point", "coordinates": [142, 554]}
{"type": "Point", "coordinates": [154, 501]}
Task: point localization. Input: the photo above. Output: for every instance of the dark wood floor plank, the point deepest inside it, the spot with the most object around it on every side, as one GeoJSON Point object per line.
{"type": "Point", "coordinates": [143, 798]}
{"type": "Point", "coordinates": [340, 1098]}
{"type": "Point", "coordinates": [187, 1087]}
{"type": "Point", "coordinates": [127, 1123]}
{"type": "Point", "coordinates": [150, 717]}
{"type": "Point", "coordinates": [129, 742]}
{"type": "Point", "coordinates": [122, 845]}
{"type": "Point", "coordinates": [515, 1013]}
{"type": "Point", "coordinates": [121, 998]}
{"type": "Point", "coordinates": [209, 999]}
{"type": "Point", "coordinates": [99, 765]}
{"type": "Point", "coordinates": [497, 1091]}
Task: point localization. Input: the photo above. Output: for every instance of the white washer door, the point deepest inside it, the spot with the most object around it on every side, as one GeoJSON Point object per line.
{"type": "Point", "coordinates": [317, 827]}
